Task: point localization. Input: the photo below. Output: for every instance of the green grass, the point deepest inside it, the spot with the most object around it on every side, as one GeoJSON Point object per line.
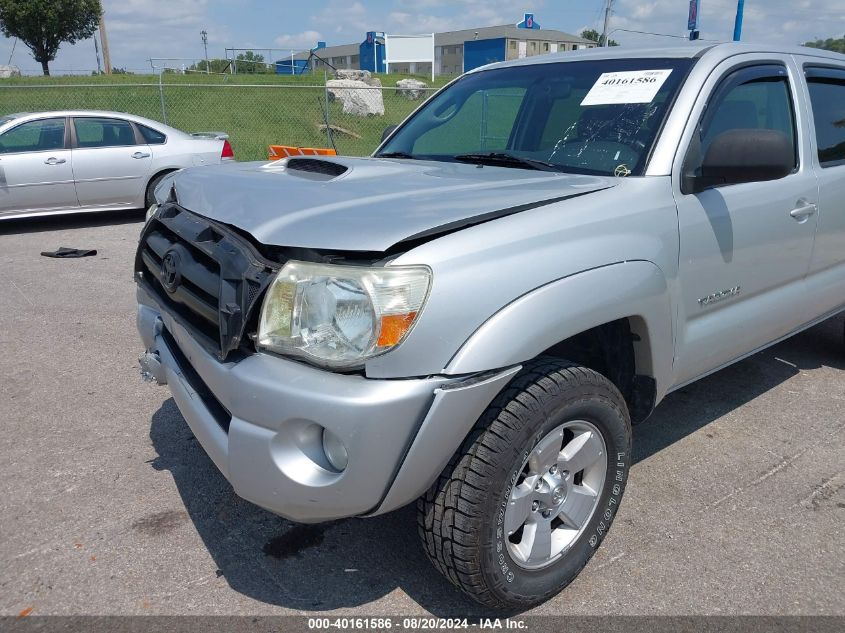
{"type": "Point", "coordinates": [255, 110]}
{"type": "Point", "coordinates": [318, 78]}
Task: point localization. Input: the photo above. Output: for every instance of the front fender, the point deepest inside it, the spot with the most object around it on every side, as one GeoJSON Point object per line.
{"type": "Point", "coordinates": [561, 309]}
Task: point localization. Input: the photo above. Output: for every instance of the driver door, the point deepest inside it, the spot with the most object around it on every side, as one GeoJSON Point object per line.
{"type": "Point", "coordinates": [745, 248]}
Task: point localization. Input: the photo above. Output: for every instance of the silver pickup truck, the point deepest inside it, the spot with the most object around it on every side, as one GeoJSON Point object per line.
{"type": "Point", "coordinates": [473, 317]}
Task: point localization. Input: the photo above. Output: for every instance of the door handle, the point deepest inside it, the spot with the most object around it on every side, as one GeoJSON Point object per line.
{"type": "Point", "coordinates": [54, 161]}
{"type": "Point", "coordinates": [141, 155]}
{"type": "Point", "coordinates": [803, 212]}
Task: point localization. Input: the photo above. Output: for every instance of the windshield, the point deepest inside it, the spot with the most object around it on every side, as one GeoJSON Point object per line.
{"type": "Point", "coordinates": [590, 117]}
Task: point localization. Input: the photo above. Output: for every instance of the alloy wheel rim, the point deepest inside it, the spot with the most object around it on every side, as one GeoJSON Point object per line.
{"type": "Point", "coordinates": [555, 495]}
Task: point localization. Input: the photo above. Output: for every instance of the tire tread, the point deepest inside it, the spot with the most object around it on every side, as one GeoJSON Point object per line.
{"type": "Point", "coordinates": [445, 520]}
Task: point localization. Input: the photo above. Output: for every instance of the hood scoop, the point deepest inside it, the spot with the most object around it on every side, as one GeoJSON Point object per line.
{"type": "Point", "coordinates": [315, 168]}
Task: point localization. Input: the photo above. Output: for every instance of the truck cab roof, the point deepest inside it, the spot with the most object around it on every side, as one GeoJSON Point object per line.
{"type": "Point", "coordinates": [713, 52]}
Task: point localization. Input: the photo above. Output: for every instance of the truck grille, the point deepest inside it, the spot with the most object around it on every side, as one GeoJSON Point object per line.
{"type": "Point", "coordinates": [204, 274]}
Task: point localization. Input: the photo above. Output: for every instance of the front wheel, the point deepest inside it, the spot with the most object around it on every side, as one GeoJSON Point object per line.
{"type": "Point", "coordinates": [528, 498]}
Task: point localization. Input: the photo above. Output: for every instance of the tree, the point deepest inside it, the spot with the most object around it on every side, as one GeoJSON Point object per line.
{"type": "Point", "coordinates": [215, 66]}
{"type": "Point", "coordinates": [254, 63]}
{"type": "Point", "coordinates": [595, 36]}
{"type": "Point", "coordinates": [43, 25]}
{"type": "Point", "coordinates": [114, 71]}
{"type": "Point", "coordinates": [830, 44]}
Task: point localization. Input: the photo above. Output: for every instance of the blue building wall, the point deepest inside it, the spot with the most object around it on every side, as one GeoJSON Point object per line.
{"type": "Point", "coordinates": [299, 67]}
{"type": "Point", "coordinates": [371, 53]}
{"type": "Point", "coordinates": [480, 52]}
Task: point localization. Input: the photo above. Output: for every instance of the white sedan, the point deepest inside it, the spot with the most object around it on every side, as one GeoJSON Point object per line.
{"type": "Point", "coordinates": [89, 160]}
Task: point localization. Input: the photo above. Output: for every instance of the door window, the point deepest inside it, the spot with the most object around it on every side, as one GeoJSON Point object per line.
{"type": "Point", "coordinates": [754, 98]}
{"type": "Point", "coordinates": [827, 94]}
{"type": "Point", "coordinates": [91, 132]}
{"type": "Point", "coordinates": [34, 136]}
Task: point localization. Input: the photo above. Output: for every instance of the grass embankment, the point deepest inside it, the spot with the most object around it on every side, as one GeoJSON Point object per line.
{"type": "Point", "coordinates": [255, 110]}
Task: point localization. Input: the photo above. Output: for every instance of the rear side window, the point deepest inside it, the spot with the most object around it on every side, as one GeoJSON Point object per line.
{"type": "Point", "coordinates": [34, 136]}
{"type": "Point", "coordinates": [151, 136]}
{"type": "Point", "coordinates": [827, 94]}
{"type": "Point", "coordinates": [91, 132]}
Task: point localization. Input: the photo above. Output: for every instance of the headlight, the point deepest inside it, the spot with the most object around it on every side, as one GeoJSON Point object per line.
{"type": "Point", "coordinates": [338, 316]}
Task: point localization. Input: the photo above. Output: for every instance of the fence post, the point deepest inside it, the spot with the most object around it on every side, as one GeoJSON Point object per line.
{"type": "Point", "coordinates": [161, 97]}
{"type": "Point", "coordinates": [329, 142]}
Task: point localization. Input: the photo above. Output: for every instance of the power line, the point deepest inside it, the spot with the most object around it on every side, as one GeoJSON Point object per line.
{"type": "Point", "coordinates": [680, 37]}
{"type": "Point", "coordinates": [597, 17]}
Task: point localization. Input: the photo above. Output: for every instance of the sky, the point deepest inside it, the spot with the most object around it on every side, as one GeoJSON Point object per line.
{"type": "Point", "coordinates": [142, 29]}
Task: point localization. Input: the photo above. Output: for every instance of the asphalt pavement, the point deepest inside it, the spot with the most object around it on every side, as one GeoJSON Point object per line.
{"type": "Point", "coordinates": [108, 505]}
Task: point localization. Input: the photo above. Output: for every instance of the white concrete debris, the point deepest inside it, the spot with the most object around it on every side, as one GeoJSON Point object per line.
{"type": "Point", "coordinates": [7, 72]}
{"type": "Point", "coordinates": [358, 98]}
{"type": "Point", "coordinates": [412, 89]}
{"type": "Point", "coordinates": [357, 75]}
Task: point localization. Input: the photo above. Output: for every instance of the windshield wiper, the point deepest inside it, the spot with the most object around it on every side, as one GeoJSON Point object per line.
{"type": "Point", "coordinates": [396, 155]}
{"type": "Point", "coordinates": [501, 159]}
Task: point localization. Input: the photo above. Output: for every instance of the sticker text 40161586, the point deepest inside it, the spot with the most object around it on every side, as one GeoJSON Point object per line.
{"type": "Point", "coordinates": [634, 86]}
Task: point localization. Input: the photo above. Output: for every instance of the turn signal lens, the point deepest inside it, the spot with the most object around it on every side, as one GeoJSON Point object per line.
{"type": "Point", "coordinates": [394, 327]}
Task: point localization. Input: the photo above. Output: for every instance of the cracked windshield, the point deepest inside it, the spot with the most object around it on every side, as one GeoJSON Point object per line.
{"type": "Point", "coordinates": [589, 117]}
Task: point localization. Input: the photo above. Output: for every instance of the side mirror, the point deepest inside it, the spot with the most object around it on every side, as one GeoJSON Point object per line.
{"type": "Point", "coordinates": [738, 156]}
{"type": "Point", "coordinates": [387, 132]}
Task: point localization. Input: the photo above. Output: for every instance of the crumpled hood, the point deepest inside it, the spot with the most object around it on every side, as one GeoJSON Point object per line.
{"type": "Point", "coordinates": [375, 204]}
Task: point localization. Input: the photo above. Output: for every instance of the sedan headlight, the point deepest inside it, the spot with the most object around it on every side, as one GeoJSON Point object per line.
{"type": "Point", "coordinates": [339, 316]}
{"type": "Point", "coordinates": [151, 212]}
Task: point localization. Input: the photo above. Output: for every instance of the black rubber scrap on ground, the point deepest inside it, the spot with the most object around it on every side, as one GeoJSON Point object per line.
{"type": "Point", "coordinates": [64, 251]}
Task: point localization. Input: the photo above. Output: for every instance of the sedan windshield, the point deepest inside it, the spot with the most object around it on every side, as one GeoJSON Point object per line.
{"type": "Point", "coordinates": [589, 117]}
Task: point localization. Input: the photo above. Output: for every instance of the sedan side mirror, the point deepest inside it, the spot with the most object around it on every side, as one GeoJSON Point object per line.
{"type": "Point", "coordinates": [387, 132]}
{"type": "Point", "coordinates": [738, 156]}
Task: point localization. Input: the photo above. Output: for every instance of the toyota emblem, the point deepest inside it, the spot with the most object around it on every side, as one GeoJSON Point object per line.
{"type": "Point", "coordinates": [171, 276]}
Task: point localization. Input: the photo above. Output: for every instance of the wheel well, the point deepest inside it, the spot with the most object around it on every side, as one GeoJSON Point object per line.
{"type": "Point", "coordinates": [160, 172]}
{"type": "Point", "coordinates": [619, 351]}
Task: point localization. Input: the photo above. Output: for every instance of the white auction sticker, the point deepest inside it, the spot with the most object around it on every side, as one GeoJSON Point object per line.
{"type": "Point", "coordinates": [635, 86]}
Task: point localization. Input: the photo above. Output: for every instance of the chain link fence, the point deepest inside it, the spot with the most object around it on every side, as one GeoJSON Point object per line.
{"type": "Point", "coordinates": [255, 115]}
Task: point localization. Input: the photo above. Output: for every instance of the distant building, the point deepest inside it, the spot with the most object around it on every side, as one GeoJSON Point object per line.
{"type": "Point", "coordinates": [455, 52]}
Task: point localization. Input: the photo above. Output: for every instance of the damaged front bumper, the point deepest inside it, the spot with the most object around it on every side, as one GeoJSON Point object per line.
{"type": "Point", "coordinates": [261, 420]}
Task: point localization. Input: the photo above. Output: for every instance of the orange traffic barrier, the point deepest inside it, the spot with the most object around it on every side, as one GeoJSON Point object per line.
{"type": "Point", "coordinates": [277, 152]}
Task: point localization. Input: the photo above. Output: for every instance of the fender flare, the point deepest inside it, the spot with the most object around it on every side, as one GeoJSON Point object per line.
{"type": "Point", "coordinates": [552, 313]}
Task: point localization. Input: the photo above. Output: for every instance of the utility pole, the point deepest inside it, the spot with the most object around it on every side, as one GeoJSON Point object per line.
{"type": "Point", "coordinates": [204, 34]}
{"type": "Point", "coordinates": [104, 42]}
{"type": "Point", "coordinates": [607, 10]}
{"type": "Point", "coordinates": [740, 8]}
{"type": "Point", "coordinates": [97, 53]}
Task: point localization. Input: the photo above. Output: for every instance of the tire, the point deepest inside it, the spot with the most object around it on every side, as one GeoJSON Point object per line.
{"type": "Point", "coordinates": [149, 196]}
{"type": "Point", "coordinates": [463, 516]}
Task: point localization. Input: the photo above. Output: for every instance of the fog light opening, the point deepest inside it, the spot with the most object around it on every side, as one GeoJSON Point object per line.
{"type": "Point", "coordinates": [335, 451]}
